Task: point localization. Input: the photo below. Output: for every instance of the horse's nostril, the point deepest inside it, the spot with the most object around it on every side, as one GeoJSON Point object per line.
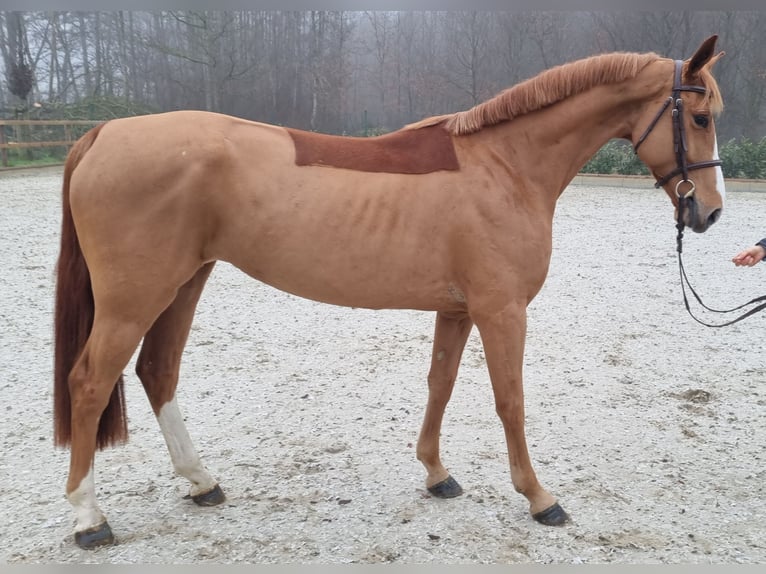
{"type": "Point", "coordinates": [714, 216]}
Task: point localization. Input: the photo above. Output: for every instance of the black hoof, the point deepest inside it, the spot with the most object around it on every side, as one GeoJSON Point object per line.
{"type": "Point", "coordinates": [552, 516]}
{"type": "Point", "coordinates": [100, 535]}
{"type": "Point", "coordinates": [447, 488]}
{"type": "Point", "coordinates": [210, 498]}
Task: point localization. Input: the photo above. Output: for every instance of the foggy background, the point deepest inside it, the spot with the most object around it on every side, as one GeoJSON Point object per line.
{"type": "Point", "coordinates": [357, 73]}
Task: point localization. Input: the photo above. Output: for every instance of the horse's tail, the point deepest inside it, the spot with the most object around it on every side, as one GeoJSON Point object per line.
{"type": "Point", "coordinates": [73, 321]}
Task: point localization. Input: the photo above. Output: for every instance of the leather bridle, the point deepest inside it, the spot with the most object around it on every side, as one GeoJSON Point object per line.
{"type": "Point", "coordinates": [683, 167]}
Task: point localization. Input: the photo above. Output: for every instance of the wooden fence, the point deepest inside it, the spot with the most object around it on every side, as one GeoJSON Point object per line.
{"type": "Point", "coordinates": [24, 134]}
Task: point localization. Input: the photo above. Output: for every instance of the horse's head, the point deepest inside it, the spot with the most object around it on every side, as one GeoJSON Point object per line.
{"type": "Point", "coordinates": [676, 138]}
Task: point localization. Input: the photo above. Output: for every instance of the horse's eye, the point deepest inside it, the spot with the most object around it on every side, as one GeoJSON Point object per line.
{"type": "Point", "coordinates": [701, 121]}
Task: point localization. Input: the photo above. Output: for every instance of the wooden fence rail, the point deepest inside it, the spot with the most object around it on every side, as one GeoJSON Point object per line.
{"type": "Point", "coordinates": [26, 134]}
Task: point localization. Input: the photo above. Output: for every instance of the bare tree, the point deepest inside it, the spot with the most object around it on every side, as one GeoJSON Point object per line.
{"type": "Point", "coordinates": [513, 44]}
{"type": "Point", "coordinates": [85, 53]}
{"type": "Point", "coordinates": [15, 51]}
{"type": "Point", "coordinates": [342, 71]}
{"type": "Point", "coordinates": [469, 50]}
{"type": "Point", "coordinates": [382, 47]}
{"type": "Point", "coordinates": [742, 76]}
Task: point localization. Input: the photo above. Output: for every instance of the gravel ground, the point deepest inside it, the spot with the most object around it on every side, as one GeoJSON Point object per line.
{"type": "Point", "coordinates": [648, 427]}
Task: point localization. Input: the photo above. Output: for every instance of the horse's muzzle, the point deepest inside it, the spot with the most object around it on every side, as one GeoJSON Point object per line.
{"type": "Point", "coordinates": [697, 219]}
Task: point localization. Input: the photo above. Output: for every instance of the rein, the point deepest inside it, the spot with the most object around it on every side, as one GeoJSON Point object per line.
{"type": "Point", "coordinates": [685, 282]}
{"type": "Point", "coordinates": [683, 167]}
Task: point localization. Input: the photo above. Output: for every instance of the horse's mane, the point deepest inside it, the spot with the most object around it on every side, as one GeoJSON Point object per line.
{"type": "Point", "coordinates": [554, 85]}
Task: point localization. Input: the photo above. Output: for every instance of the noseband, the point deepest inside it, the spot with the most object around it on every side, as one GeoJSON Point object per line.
{"type": "Point", "coordinates": [683, 167]}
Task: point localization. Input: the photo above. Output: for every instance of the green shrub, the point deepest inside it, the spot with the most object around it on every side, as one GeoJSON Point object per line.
{"type": "Point", "coordinates": [740, 159]}
{"type": "Point", "coordinates": [744, 159]}
{"type": "Point", "coordinates": [615, 157]}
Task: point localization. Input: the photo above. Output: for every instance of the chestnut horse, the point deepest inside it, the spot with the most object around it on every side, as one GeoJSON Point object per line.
{"type": "Point", "coordinates": [452, 214]}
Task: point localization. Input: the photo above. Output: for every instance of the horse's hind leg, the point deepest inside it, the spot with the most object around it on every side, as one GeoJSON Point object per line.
{"type": "Point", "coordinates": [107, 351]}
{"type": "Point", "coordinates": [450, 336]}
{"type": "Point", "coordinates": [158, 368]}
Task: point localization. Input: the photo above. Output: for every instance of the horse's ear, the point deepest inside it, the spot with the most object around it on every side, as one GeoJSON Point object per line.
{"type": "Point", "coordinates": [703, 55]}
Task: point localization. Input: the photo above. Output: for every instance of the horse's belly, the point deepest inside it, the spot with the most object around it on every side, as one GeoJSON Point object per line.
{"type": "Point", "coordinates": [355, 281]}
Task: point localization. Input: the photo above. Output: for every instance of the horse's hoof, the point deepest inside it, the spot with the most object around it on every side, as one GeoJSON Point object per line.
{"type": "Point", "coordinates": [447, 488]}
{"type": "Point", "coordinates": [552, 516]}
{"type": "Point", "coordinates": [100, 535]}
{"type": "Point", "coordinates": [210, 498]}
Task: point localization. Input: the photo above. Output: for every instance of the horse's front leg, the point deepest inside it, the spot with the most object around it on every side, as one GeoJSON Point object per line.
{"type": "Point", "coordinates": [503, 333]}
{"type": "Point", "coordinates": [450, 336]}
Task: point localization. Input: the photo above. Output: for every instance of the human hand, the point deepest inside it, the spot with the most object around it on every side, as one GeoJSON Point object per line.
{"type": "Point", "coordinates": [750, 256]}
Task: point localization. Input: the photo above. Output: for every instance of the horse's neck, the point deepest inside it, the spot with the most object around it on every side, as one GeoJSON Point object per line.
{"type": "Point", "coordinates": [556, 142]}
